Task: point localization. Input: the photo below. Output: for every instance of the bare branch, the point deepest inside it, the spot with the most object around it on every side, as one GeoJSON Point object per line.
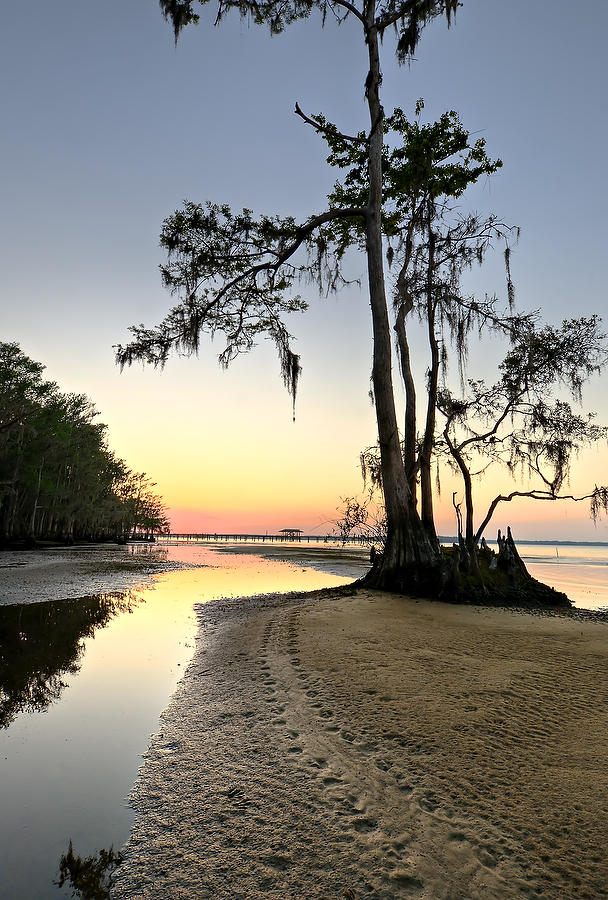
{"type": "Point", "coordinates": [349, 7]}
{"type": "Point", "coordinates": [598, 497]}
{"type": "Point", "coordinates": [329, 130]}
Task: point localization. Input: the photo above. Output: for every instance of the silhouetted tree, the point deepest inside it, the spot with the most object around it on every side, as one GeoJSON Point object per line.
{"type": "Point", "coordinates": [519, 424]}
{"type": "Point", "coordinates": [234, 273]}
{"type": "Point", "coordinates": [432, 242]}
{"type": "Point", "coordinates": [143, 510]}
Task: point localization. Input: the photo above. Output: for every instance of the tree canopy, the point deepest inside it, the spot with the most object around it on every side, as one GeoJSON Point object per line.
{"type": "Point", "coordinates": [238, 274]}
{"type": "Point", "coordinates": [58, 478]}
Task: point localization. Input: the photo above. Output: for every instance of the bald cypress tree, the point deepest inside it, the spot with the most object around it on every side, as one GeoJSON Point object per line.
{"type": "Point", "coordinates": [236, 275]}
{"type": "Point", "coordinates": [233, 274]}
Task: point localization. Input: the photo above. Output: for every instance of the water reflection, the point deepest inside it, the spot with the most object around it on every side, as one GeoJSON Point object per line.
{"type": "Point", "coordinates": [89, 877]}
{"type": "Point", "coordinates": [42, 643]}
{"type": "Point", "coordinates": [64, 772]}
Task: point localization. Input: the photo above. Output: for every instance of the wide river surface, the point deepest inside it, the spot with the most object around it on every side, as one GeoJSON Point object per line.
{"type": "Point", "coordinates": [85, 675]}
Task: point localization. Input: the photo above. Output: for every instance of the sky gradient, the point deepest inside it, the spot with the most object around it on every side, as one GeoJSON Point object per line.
{"type": "Point", "coordinates": [107, 127]}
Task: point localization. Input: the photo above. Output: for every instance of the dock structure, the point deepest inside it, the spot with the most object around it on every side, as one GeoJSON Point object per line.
{"type": "Point", "coordinates": [287, 534]}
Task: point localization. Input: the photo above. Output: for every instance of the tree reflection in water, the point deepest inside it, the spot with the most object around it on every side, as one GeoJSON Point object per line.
{"type": "Point", "coordinates": [41, 643]}
{"type": "Point", "coordinates": [90, 877]}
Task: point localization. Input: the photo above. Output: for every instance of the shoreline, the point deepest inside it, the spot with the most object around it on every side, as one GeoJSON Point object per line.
{"type": "Point", "coordinates": [354, 740]}
{"type": "Point", "coordinates": [83, 570]}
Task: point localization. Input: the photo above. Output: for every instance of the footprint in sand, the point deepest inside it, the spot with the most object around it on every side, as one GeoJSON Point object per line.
{"type": "Point", "coordinates": [278, 861]}
{"type": "Point", "coordinates": [486, 858]}
{"type": "Point", "coordinates": [457, 836]}
{"type": "Point", "coordinates": [364, 826]}
{"type": "Point", "coordinates": [428, 804]}
{"type": "Point", "coordinates": [406, 881]}
{"type": "Point", "coordinates": [331, 780]}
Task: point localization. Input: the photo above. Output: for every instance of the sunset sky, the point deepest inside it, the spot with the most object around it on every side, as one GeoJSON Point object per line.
{"type": "Point", "coordinates": [107, 128]}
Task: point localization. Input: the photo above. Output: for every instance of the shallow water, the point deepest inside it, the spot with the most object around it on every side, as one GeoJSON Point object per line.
{"type": "Point", "coordinates": [84, 680]}
{"type": "Point", "coordinates": [82, 685]}
{"type": "Point", "coordinates": [579, 570]}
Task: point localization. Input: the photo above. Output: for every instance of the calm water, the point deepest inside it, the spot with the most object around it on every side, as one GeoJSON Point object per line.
{"type": "Point", "coordinates": [579, 570]}
{"type": "Point", "coordinates": [83, 682]}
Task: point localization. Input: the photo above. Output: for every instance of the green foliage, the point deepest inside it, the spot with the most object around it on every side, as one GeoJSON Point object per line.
{"type": "Point", "coordinates": [235, 274]}
{"type": "Point", "coordinates": [58, 477]}
{"type": "Point", "coordinates": [22, 388]}
{"type": "Point", "coordinates": [422, 163]}
{"type": "Point", "coordinates": [568, 356]}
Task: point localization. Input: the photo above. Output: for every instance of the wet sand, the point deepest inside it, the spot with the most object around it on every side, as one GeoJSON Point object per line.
{"type": "Point", "coordinates": [36, 576]}
{"type": "Point", "coordinates": [369, 745]}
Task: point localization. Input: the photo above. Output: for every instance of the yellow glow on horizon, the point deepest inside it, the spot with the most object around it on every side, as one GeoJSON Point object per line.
{"type": "Point", "coordinates": [227, 458]}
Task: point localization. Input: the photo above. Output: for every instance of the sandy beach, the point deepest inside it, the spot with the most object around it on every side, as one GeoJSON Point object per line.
{"type": "Point", "coordinates": [369, 745]}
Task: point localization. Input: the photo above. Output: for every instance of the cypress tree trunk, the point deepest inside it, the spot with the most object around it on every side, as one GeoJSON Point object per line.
{"type": "Point", "coordinates": [411, 558]}
{"type": "Point", "coordinates": [426, 453]}
{"type": "Point", "coordinates": [409, 433]}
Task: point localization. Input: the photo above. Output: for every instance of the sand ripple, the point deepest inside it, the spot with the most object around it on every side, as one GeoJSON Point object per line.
{"type": "Point", "coordinates": [372, 746]}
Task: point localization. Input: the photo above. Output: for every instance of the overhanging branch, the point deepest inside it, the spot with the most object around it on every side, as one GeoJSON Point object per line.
{"type": "Point", "coordinates": [598, 497]}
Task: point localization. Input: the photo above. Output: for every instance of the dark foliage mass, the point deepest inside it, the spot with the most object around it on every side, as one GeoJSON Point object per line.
{"type": "Point", "coordinates": [58, 478]}
{"type": "Point", "coordinates": [89, 877]}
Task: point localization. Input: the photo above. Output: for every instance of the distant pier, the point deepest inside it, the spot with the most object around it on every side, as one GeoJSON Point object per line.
{"type": "Point", "coordinates": [280, 538]}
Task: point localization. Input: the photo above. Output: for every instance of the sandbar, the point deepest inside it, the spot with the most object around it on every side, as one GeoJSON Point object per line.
{"type": "Point", "coordinates": [365, 744]}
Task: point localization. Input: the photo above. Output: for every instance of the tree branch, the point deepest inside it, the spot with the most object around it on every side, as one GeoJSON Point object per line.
{"type": "Point", "coordinates": [480, 438]}
{"type": "Point", "coordinates": [535, 495]}
{"type": "Point", "coordinates": [351, 9]}
{"type": "Point", "coordinates": [325, 129]}
{"type": "Point", "coordinates": [302, 232]}
{"type": "Point", "coordinates": [226, 301]}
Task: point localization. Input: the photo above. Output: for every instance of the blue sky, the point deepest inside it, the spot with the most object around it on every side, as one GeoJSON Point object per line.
{"type": "Point", "coordinates": [107, 127]}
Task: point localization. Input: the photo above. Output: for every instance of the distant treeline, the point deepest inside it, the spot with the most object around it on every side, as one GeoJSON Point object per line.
{"type": "Point", "coordinates": [58, 478]}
